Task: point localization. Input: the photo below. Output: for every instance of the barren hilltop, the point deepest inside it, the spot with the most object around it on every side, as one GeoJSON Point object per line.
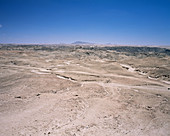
{"type": "Point", "coordinates": [84, 90]}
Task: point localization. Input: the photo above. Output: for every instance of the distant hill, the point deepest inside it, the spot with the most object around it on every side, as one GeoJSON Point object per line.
{"type": "Point", "coordinates": [81, 42]}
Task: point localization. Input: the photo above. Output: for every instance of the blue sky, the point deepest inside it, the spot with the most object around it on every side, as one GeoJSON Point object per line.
{"type": "Point", "coordinates": [130, 22]}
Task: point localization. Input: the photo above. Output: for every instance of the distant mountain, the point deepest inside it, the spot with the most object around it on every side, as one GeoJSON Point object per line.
{"type": "Point", "coordinates": [81, 42]}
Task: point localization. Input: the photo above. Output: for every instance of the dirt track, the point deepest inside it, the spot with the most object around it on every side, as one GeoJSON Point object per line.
{"type": "Point", "coordinates": [45, 93]}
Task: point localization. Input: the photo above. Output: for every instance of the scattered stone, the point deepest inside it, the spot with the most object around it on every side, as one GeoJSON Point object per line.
{"type": "Point", "coordinates": [158, 95]}
{"type": "Point", "coordinates": [18, 97]}
{"type": "Point", "coordinates": [107, 81]}
{"type": "Point", "coordinates": [125, 67]}
{"type": "Point", "coordinates": [137, 70]}
{"type": "Point", "coordinates": [13, 62]}
{"type": "Point", "coordinates": [148, 107]}
{"type": "Point", "coordinates": [38, 94]}
{"type": "Point", "coordinates": [54, 92]}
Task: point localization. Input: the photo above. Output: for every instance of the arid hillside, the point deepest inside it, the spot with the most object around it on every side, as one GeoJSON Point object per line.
{"type": "Point", "coordinates": [84, 91]}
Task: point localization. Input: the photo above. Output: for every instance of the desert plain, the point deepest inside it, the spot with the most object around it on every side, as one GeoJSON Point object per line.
{"type": "Point", "coordinates": [84, 90]}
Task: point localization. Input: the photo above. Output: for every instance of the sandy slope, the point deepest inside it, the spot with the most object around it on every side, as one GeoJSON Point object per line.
{"type": "Point", "coordinates": [44, 94]}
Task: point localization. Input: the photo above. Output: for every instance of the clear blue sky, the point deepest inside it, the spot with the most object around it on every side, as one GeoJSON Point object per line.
{"type": "Point", "coordinates": [136, 22]}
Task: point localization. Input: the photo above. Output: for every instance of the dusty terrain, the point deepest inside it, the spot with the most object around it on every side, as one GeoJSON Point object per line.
{"type": "Point", "coordinates": [84, 91]}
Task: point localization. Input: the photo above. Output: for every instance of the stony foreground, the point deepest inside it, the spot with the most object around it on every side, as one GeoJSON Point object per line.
{"type": "Point", "coordinates": [66, 91]}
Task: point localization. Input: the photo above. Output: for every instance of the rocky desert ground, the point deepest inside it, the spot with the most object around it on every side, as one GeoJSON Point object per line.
{"type": "Point", "coordinates": [84, 91]}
